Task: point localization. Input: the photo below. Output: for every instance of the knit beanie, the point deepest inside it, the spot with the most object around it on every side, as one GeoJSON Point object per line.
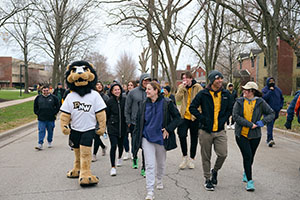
{"type": "Point", "coordinates": [213, 75]}
{"type": "Point", "coordinates": [167, 88]}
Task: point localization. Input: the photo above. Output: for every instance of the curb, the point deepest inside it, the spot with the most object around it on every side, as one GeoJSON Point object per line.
{"type": "Point", "coordinates": [287, 133]}
{"type": "Point", "coordinates": [17, 129]}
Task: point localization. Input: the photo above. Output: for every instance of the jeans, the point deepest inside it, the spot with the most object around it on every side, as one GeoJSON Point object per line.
{"type": "Point", "coordinates": [270, 128]}
{"type": "Point", "coordinates": [42, 126]}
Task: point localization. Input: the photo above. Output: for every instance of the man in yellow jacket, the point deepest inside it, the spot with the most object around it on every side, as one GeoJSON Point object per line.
{"type": "Point", "coordinates": [185, 94]}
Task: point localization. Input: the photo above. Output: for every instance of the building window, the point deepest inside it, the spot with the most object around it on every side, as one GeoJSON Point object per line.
{"type": "Point", "coordinates": [252, 78]}
{"type": "Point", "coordinates": [197, 74]}
{"type": "Point", "coordinates": [241, 64]}
{"type": "Point", "coordinates": [252, 62]}
{"type": "Point", "coordinates": [298, 83]}
{"type": "Point", "coordinates": [265, 80]}
{"type": "Point", "coordinates": [202, 74]}
{"type": "Point", "coordinates": [265, 62]}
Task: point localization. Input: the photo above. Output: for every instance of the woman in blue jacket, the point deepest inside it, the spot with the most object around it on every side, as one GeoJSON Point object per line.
{"type": "Point", "coordinates": [247, 113]}
{"type": "Point", "coordinates": [157, 118]}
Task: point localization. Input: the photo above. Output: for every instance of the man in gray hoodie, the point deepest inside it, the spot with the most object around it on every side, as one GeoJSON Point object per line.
{"type": "Point", "coordinates": [133, 98]}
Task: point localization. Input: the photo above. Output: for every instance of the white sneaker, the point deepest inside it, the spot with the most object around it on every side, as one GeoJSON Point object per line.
{"type": "Point", "coordinates": [232, 126]}
{"type": "Point", "coordinates": [159, 185]}
{"type": "Point", "coordinates": [113, 171]}
{"type": "Point", "coordinates": [150, 196]}
{"type": "Point", "coordinates": [49, 144]}
{"type": "Point", "coordinates": [184, 162]}
{"type": "Point", "coordinates": [191, 164]}
{"type": "Point", "coordinates": [39, 147]}
{"type": "Point", "coordinates": [126, 156]}
{"type": "Point", "coordinates": [228, 127]}
{"type": "Point", "coordinates": [94, 158]}
{"type": "Point", "coordinates": [119, 162]}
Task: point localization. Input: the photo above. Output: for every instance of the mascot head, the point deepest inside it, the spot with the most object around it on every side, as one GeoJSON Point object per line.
{"type": "Point", "coordinates": [81, 77]}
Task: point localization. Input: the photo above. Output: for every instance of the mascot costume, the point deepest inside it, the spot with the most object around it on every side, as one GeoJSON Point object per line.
{"type": "Point", "coordinates": [82, 109]}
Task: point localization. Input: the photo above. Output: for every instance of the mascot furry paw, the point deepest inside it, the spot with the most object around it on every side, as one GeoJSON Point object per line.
{"type": "Point", "coordinates": [81, 110]}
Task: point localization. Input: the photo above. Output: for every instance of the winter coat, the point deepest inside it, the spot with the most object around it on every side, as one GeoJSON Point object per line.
{"type": "Point", "coordinates": [273, 97]}
{"type": "Point", "coordinates": [133, 98]}
{"type": "Point", "coordinates": [204, 100]}
{"type": "Point", "coordinates": [182, 96]}
{"type": "Point", "coordinates": [171, 119]}
{"type": "Point", "coordinates": [291, 108]}
{"type": "Point", "coordinates": [47, 107]}
{"type": "Point", "coordinates": [115, 115]}
{"type": "Point", "coordinates": [261, 108]}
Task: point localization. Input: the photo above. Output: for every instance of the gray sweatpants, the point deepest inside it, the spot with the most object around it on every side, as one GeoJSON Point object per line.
{"type": "Point", "coordinates": [155, 161]}
{"type": "Point", "coordinates": [206, 140]}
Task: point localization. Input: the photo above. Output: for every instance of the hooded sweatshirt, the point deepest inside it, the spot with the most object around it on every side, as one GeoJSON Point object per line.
{"type": "Point", "coordinates": [135, 96]}
{"type": "Point", "coordinates": [273, 97]}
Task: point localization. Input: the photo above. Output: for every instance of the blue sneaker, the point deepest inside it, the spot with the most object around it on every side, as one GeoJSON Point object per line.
{"type": "Point", "coordinates": [245, 178]}
{"type": "Point", "coordinates": [250, 186]}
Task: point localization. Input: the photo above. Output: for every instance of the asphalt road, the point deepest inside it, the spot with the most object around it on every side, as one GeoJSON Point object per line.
{"type": "Point", "coordinates": [30, 174]}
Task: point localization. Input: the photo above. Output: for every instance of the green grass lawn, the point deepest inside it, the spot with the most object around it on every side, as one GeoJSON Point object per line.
{"type": "Point", "coordinates": [17, 115]}
{"type": "Point", "coordinates": [279, 123]}
{"type": "Point", "coordinates": [287, 101]}
{"type": "Point", "coordinates": [14, 94]}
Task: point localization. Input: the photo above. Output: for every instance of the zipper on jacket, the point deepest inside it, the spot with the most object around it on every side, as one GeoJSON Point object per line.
{"type": "Point", "coordinates": [120, 118]}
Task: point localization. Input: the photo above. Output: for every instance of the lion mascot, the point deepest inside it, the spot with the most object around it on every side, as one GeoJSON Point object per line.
{"type": "Point", "coordinates": [81, 110]}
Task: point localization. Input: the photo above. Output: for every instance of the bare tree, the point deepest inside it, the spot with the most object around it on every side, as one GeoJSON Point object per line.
{"type": "Point", "coordinates": [261, 20]}
{"type": "Point", "coordinates": [125, 68]}
{"type": "Point", "coordinates": [21, 30]}
{"type": "Point", "coordinates": [64, 29]}
{"type": "Point", "coordinates": [100, 63]}
{"type": "Point", "coordinates": [143, 60]}
{"type": "Point", "coordinates": [9, 8]}
{"type": "Point", "coordinates": [158, 19]}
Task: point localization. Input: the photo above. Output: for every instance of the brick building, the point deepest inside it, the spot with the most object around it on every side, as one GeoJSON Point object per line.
{"type": "Point", "coordinates": [252, 67]}
{"type": "Point", "coordinates": [10, 73]}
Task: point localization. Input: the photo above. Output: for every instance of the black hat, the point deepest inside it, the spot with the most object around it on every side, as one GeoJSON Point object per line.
{"type": "Point", "coordinates": [167, 88]}
{"type": "Point", "coordinates": [213, 75]}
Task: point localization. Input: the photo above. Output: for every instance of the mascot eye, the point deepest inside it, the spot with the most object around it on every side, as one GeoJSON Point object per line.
{"type": "Point", "coordinates": [73, 69]}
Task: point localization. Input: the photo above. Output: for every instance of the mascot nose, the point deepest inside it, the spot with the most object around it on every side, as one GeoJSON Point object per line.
{"type": "Point", "coordinates": [79, 70]}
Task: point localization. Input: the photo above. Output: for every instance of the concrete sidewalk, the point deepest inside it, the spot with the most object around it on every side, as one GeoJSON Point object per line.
{"type": "Point", "coordinates": [15, 102]}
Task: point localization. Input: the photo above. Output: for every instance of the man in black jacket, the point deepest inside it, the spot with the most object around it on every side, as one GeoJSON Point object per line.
{"type": "Point", "coordinates": [216, 106]}
{"type": "Point", "coordinates": [46, 106]}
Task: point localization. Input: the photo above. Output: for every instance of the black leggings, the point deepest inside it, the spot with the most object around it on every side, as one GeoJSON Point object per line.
{"type": "Point", "coordinates": [248, 148]}
{"type": "Point", "coordinates": [97, 142]}
{"type": "Point", "coordinates": [114, 141]}
{"type": "Point", "coordinates": [182, 133]}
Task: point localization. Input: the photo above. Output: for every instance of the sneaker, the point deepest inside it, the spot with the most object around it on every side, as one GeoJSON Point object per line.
{"type": "Point", "coordinates": [159, 185]}
{"type": "Point", "coordinates": [119, 162]}
{"type": "Point", "coordinates": [228, 127]}
{"type": "Point", "coordinates": [245, 178]}
{"type": "Point", "coordinates": [191, 164]}
{"type": "Point", "coordinates": [143, 173]}
{"type": "Point", "coordinates": [135, 163]}
{"type": "Point", "coordinates": [104, 151]}
{"type": "Point", "coordinates": [250, 186]}
{"type": "Point", "coordinates": [94, 158]}
{"type": "Point", "coordinates": [150, 196]}
{"type": "Point", "coordinates": [39, 147]}
{"type": "Point", "coordinates": [214, 177]}
{"type": "Point", "coordinates": [126, 156]}
{"type": "Point", "coordinates": [113, 171]}
{"type": "Point", "coordinates": [271, 143]}
{"type": "Point", "coordinates": [49, 144]}
{"type": "Point", "coordinates": [232, 126]}
{"type": "Point", "coordinates": [209, 186]}
{"type": "Point", "coordinates": [184, 163]}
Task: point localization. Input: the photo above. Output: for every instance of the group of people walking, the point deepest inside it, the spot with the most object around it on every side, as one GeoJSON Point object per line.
{"type": "Point", "coordinates": [149, 113]}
